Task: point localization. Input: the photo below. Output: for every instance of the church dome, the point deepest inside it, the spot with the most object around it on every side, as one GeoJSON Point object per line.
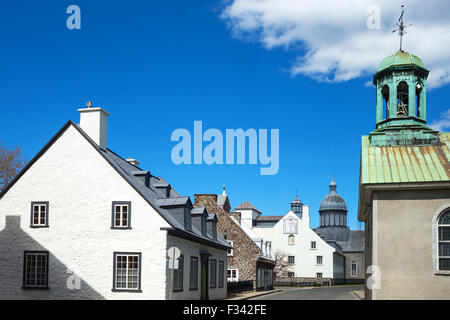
{"type": "Point", "coordinates": [401, 58]}
{"type": "Point", "coordinates": [332, 200]}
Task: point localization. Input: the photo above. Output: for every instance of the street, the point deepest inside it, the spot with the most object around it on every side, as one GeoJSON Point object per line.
{"type": "Point", "coordinates": [325, 293]}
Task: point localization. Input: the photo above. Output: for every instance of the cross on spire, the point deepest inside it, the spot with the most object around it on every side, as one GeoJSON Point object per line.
{"type": "Point", "coordinates": [401, 27]}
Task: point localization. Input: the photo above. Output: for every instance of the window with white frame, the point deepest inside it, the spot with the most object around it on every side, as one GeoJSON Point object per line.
{"type": "Point", "coordinates": [444, 241]}
{"type": "Point", "coordinates": [39, 214]}
{"type": "Point", "coordinates": [291, 240]}
{"type": "Point", "coordinates": [213, 273]}
{"type": "Point", "coordinates": [221, 274]}
{"type": "Point", "coordinates": [291, 259]}
{"type": "Point", "coordinates": [290, 225]}
{"type": "Point", "coordinates": [230, 251]}
{"type": "Point", "coordinates": [178, 275]}
{"type": "Point", "coordinates": [35, 273]}
{"type": "Point", "coordinates": [319, 260]}
{"type": "Point", "coordinates": [319, 275]}
{"type": "Point", "coordinates": [313, 245]}
{"type": "Point", "coordinates": [121, 215]}
{"type": "Point", "coordinates": [127, 271]}
{"type": "Point", "coordinates": [353, 268]}
{"type": "Point", "coordinates": [193, 273]}
{"type": "Point", "coordinates": [232, 275]}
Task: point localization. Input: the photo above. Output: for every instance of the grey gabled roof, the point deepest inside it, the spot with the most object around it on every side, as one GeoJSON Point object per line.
{"type": "Point", "coordinates": [247, 205]}
{"type": "Point", "coordinates": [269, 218]}
{"type": "Point", "coordinates": [171, 202]}
{"type": "Point", "coordinates": [355, 242]}
{"type": "Point", "coordinates": [198, 210]}
{"type": "Point", "coordinates": [128, 171]}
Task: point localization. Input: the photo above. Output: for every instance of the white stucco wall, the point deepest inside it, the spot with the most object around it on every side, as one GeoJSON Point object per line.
{"type": "Point", "coordinates": [305, 257]}
{"type": "Point", "coordinates": [80, 186]}
{"type": "Point", "coordinates": [188, 249]}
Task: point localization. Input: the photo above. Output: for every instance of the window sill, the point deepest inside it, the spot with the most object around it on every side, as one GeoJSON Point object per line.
{"type": "Point", "coordinates": [121, 228]}
{"type": "Point", "coordinates": [192, 289]}
{"type": "Point", "coordinates": [178, 290]}
{"type": "Point", "coordinates": [37, 227]}
{"type": "Point", "coordinates": [35, 288]}
{"type": "Point", "coordinates": [442, 273]}
{"type": "Point", "coordinates": [126, 290]}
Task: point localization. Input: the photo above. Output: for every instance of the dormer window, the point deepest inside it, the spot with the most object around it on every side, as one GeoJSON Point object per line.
{"type": "Point", "coordinates": [204, 226]}
{"type": "Point", "coordinates": [39, 214]}
{"type": "Point", "coordinates": [214, 230]}
{"type": "Point", "coordinates": [187, 219]}
{"type": "Point", "coordinates": [121, 215]}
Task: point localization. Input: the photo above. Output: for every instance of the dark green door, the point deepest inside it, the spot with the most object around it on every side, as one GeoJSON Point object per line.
{"type": "Point", "coordinates": [204, 280]}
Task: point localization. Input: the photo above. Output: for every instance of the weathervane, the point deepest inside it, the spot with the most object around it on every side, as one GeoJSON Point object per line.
{"type": "Point", "coordinates": [401, 27]}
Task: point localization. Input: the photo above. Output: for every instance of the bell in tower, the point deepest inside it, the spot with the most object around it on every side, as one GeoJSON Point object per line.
{"type": "Point", "coordinates": [401, 100]}
{"type": "Point", "coordinates": [297, 207]}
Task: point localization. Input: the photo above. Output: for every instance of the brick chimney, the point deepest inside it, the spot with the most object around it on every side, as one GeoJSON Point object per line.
{"type": "Point", "coordinates": [94, 121]}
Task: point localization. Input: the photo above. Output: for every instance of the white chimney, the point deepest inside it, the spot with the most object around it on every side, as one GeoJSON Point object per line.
{"type": "Point", "coordinates": [94, 121]}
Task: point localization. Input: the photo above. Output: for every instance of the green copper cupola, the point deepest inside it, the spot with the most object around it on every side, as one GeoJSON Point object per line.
{"type": "Point", "coordinates": [401, 102]}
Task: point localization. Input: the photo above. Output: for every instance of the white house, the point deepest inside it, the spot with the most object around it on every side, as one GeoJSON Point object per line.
{"type": "Point", "coordinates": [80, 222]}
{"type": "Point", "coordinates": [308, 255]}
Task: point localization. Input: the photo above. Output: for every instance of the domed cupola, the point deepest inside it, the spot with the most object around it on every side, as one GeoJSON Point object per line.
{"type": "Point", "coordinates": [297, 207]}
{"type": "Point", "coordinates": [401, 86]}
{"type": "Point", "coordinates": [333, 211]}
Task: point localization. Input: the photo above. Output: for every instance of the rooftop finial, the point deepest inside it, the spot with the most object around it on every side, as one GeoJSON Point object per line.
{"type": "Point", "coordinates": [88, 104]}
{"type": "Point", "coordinates": [223, 192]}
{"type": "Point", "coordinates": [401, 27]}
{"type": "Point", "coordinates": [333, 185]}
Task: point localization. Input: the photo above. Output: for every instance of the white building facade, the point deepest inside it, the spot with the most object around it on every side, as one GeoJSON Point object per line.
{"type": "Point", "coordinates": [307, 254]}
{"type": "Point", "coordinates": [80, 222]}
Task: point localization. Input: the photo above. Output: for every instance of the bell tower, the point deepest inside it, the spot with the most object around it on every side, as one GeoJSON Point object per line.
{"type": "Point", "coordinates": [401, 84]}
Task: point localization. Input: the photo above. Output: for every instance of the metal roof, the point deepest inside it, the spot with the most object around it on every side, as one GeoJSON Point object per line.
{"type": "Point", "coordinates": [394, 164]}
{"type": "Point", "coordinates": [247, 205]}
{"type": "Point", "coordinates": [401, 58]}
{"type": "Point", "coordinates": [269, 218]}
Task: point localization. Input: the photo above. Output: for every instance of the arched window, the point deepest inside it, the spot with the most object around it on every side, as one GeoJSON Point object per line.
{"type": "Point", "coordinates": [291, 240]}
{"type": "Point", "coordinates": [402, 99]}
{"type": "Point", "coordinates": [444, 241]}
{"type": "Point", "coordinates": [385, 93]}
{"type": "Point", "coordinates": [327, 220]}
{"type": "Point", "coordinates": [332, 219]}
{"type": "Point", "coordinates": [342, 219]}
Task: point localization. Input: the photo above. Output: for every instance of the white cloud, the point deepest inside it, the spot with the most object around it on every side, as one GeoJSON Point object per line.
{"type": "Point", "coordinates": [332, 38]}
{"type": "Point", "coordinates": [443, 122]}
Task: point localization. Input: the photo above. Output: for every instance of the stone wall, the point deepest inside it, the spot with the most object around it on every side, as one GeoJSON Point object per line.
{"type": "Point", "coordinates": [245, 252]}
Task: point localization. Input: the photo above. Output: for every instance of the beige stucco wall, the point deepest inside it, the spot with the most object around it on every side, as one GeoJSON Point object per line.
{"type": "Point", "coordinates": [402, 244]}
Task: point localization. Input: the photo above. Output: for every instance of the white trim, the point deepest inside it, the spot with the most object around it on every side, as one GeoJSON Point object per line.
{"type": "Point", "coordinates": [230, 252]}
{"type": "Point", "coordinates": [375, 239]}
{"type": "Point", "coordinates": [231, 279]}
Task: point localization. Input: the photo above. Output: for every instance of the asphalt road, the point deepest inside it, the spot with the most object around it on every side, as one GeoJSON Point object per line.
{"type": "Point", "coordinates": [325, 293]}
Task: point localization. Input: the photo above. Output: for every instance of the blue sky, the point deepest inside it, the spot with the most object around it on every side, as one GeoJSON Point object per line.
{"type": "Point", "coordinates": [160, 65]}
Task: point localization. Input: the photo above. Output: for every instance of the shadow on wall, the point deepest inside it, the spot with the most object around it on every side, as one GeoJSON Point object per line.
{"type": "Point", "coordinates": [62, 283]}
